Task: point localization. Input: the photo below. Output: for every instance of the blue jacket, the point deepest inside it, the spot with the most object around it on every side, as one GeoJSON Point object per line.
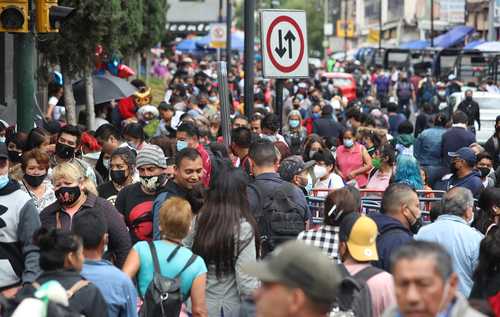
{"type": "Point", "coordinates": [472, 182]}
{"type": "Point", "coordinates": [392, 235]}
{"type": "Point", "coordinates": [427, 147]}
{"type": "Point", "coordinates": [171, 190]}
{"type": "Point", "coordinates": [462, 243]}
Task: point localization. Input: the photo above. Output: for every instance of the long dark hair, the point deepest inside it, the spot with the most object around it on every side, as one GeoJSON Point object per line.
{"type": "Point", "coordinates": [484, 217]}
{"type": "Point", "coordinates": [218, 229]}
{"type": "Point", "coordinates": [489, 259]}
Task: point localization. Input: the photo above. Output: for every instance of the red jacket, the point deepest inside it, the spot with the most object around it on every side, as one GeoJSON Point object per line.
{"type": "Point", "coordinates": [126, 106]}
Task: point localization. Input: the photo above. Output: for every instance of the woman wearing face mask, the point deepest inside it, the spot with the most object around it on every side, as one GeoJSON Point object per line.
{"type": "Point", "coordinates": [74, 195]}
{"type": "Point", "coordinates": [121, 168]}
{"type": "Point", "coordinates": [61, 259]}
{"type": "Point", "coordinates": [383, 168]}
{"type": "Point", "coordinates": [313, 115]}
{"type": "Point", "coordinates": [487, 216]}
{"type": "Point", "coordinates": [353, 161]}
{"type": "Point", "coordinates": [15, 145]}
{"type": "Point", "coordinates": [324, 172]}
{"type": "Point", "coordinates": [35, 167]}
{"type": "Point", "coordinates": [294, 133]}
{"type": "Point", "coordinates": [312, 145]}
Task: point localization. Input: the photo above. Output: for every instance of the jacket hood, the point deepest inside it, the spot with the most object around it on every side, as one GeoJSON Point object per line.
{"type": "Point", "coordinates": [386, 223]}
{"type": "Point", "coordinates": [405, 139]}
{"type": "Point", "coordinates": [11, 187]}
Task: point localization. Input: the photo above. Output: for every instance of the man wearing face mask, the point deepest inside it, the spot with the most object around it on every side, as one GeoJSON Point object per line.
{"type": "Point", "coordinates": [463, 173]}
{"type": "Point", "coordinates": [426, 284]}
{"type": "Point", "coordinates": [188, 137]}
{"type": "Point", "coordinates": [399, 219]}
{"type": "Point", "coordinates": [452, 230]}
{"type": "Point", "coordinates": [186, 184]}
{"type": "Point", "coordinates": [294, 170]}
{"type": "Point", "coordinates": [135, 201]}
{"type": "Point", "coordinates": [68, 141]}
{"type": "Point", "coordinates": [19, 220]}
{"type": "Point", "coordinates": [485, 167]}
{"type": "Point", "coordinates": [471, 109]}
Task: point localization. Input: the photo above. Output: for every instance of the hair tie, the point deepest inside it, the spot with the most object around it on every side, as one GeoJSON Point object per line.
{"type": "Point", "coordinates": [332, 210]}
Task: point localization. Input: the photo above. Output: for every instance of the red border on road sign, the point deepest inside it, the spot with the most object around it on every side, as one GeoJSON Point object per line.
{"type": "Point", "coordinates": [284, 69]}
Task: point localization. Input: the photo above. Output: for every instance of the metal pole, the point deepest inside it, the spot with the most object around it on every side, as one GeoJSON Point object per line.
{"type": "Point", "coordinates": [279, 100]}
{"type": "Point", "coordinates": [432, 23]}
{"type": "Point", "coordinates": [249, 28]}
{"type": "Point", "coordinates": [345, 30]}
{"type": "Point", "coordinates": [228, 33]}
{"type": "Point", "coordinates": [491, 21]}
{"type": "Point", "coordinates": [325, 17]}
{"type": "Point", "coordinates": [380, 24]}
{"type": "Point", "coordinates": [24, 44]}
{"type": "Point", "coordinates": [225, 108]}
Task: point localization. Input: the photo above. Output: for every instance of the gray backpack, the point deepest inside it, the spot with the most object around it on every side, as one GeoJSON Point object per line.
{"type": "Point", "coordinates": [163, 296]}
{"type": "Point", "coordinates": [353, 294]}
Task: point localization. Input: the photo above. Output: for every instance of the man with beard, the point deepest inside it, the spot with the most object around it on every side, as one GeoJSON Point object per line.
{"type": "Point", "coordinates": [186, 184]}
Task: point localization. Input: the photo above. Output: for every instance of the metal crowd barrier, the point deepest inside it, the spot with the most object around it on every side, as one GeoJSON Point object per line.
{"type": "Point", "coordinates": [371, 201]}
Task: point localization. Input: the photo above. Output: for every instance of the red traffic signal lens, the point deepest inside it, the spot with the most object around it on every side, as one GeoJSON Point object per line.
{"type": "Point", "coordinates": [12, 18]}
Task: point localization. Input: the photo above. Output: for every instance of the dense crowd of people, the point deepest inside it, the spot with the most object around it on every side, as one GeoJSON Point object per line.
{"type": "Point", "coordinates": [381, 205]}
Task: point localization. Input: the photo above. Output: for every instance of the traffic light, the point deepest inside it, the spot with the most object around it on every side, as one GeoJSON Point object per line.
{"type": "Point", "coordinates": [14, 16]}
{"type": "Point", "coordinates": [49, 15]}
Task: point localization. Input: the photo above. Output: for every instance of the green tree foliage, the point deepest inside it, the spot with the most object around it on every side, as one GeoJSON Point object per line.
{"type": "Point", "coordinates": [154, 21]}
{"type": "Point", "coordinates": [132, 27]}
{"type": "Point", "coordinates": [314, 12]}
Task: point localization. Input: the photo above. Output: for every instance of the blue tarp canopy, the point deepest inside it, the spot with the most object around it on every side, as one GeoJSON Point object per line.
{"type": "Point", "coordinates": [415, 45]}
{"type": "Point", "coordinates": [473, 44]}
{"type": "Point", "coordinates": [453, 36]}
{"type": "Point", "coordinates": [237, 41]}
{"type": "Point", "coordinates": [186, 46]}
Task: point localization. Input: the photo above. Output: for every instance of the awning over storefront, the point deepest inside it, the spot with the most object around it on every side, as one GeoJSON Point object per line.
{"type": "Point", "coordinates": [415, 45]}
{"type": "Point", "coordinates": [473, 44]}
{"type": "Point", "coordinates": [453, 36]}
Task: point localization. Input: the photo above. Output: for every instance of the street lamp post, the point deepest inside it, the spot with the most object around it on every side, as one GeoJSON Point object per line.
{"type": "Point", "coordinates": [249, 27]}
{"type": "Point", "coordinates": [491, 22]}
{"type": "Point", "coordinates": [345, 30]}
{"type": "Point", "coordinates": [228, 34]}
{"type": "Point", "coordinates": [380, 25]}
{"type": "Point", "coordinates": [432, 23]}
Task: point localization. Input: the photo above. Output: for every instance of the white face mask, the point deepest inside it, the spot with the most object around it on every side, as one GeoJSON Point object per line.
{"type": "Point", "coordinates": [319, 171]}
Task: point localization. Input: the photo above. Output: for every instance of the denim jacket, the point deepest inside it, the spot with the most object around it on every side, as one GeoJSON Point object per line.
{"type": "Point", "coordinates": [427, 147]}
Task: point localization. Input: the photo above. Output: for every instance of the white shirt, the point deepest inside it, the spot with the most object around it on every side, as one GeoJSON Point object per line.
{"type": "Point", "coordinates": [333, 181]}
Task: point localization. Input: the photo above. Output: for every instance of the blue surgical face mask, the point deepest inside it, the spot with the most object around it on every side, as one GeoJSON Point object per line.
{"type": "Point", "coordinates": [2, 139]}
{"type": "Point", "coordinates": [316, 115]}
{"type": "Point", "coordinates": [348, 143]}
{"type": "Point", "coordinates": [4, 179]}
{"type": "Point", "coordinates": [294, 123]}
{"type": "Point", "coordinates": [181, 145]}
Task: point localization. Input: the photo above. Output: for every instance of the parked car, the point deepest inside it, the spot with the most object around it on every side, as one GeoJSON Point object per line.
{"type": "Point", "coordinates": [489, 108]}
{"type": "Point", "coordinates": [345, 82]}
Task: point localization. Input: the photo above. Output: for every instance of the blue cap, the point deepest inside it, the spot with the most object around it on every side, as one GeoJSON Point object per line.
{"type": "Point", "coordinates": [465, 154]}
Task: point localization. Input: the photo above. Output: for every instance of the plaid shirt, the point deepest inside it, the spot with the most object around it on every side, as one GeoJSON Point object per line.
{"type": "Point", "coordinates": [325, 237]}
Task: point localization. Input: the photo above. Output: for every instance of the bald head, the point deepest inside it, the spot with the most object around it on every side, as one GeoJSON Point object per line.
{"type": "Point", "coordinates": [396, 196]}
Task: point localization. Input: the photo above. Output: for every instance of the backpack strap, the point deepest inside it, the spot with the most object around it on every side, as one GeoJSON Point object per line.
{"type": "Point", "coordinates": [188, 264]}
{"type": "Point", "coordinates": [367, 273]}
{"type": "Point", "coordinates": [156, 263]}
{"type": "Point", "coordinates": [171, 256]}
{"type": "Point", "coordinates": [76, 287]}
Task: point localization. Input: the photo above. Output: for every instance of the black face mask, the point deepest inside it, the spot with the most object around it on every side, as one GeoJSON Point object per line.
{"type": "Point", "coordinates": [118, 177]}
{"type": "Point", "coordinates": [468, 98]}
{"type": "Point", "coordinates": [67, 196]}
{"type": "Point", "coordinates": [34, 181]}
{"type": "Point", "coordinates": [453, 168]}
{"type": "Point", "coordinates": [65, 151]}
{"type": "Point", "coordinates": [485, 171]}
{"type": "Point", "coordinates": [497, 129]}
{"type": "Point", "coordinates": [15, 156]}
{"type": "Point", "coordinates": [416, 226]}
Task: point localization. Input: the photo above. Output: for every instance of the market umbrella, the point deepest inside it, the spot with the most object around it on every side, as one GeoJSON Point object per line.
{"type": "Point", "coordinates": [106, 88]}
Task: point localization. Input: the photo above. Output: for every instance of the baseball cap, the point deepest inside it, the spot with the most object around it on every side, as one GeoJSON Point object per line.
{"type": "Point", "coordinates": [3, 151]}
{"type": "Point", "coordinates": [151, 154]}
{"type": "Point", "coordinates": [464, 153]}
{"type": "Point", "coordinates": [360, 233]}
{"type": "Point", "coordinates": [292, 166]}
{"type": "Point", "coordinates": [299, 265]}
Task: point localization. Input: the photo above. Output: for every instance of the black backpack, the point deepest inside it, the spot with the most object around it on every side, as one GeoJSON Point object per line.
{"type": "Point", "coordinates": [353, 293]}
{"type": "Point", "coordinates": [281, 219]}
{"type": "Point", "coordinates": [163, 296]}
